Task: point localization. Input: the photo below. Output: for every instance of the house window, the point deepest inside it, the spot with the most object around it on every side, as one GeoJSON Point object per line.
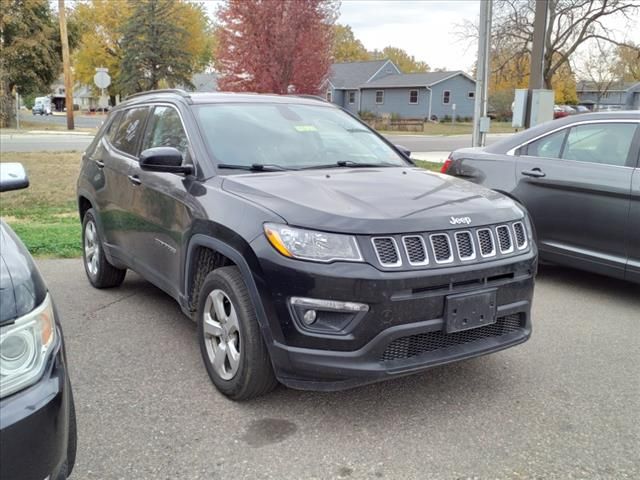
{"type": "Point", "coordinates": [471, 95]}
{"type": "Point", "coordinates": [352, 97]}
{"type": "Point", "coordinates": [413, 96]}
{"type": "Point", "coordinates": [446, 97]}
{"type": "Point", "coordinates": [379, 97]}
{"type": "Point", "coordinates": [328, 95]}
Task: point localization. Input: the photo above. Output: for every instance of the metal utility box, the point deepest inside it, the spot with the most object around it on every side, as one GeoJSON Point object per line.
{"type": "Point", "coordinates": [541, 106]}
{"type": "Point", "coordinates": [519, 108]}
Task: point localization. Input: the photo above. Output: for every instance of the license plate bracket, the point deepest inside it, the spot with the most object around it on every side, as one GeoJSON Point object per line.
{"type": "Point", "coordinates": [465, 311]}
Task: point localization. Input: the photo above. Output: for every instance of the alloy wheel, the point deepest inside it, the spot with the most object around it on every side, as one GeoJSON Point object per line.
{"type": "Point", "coordinates": [222, 334]}
{"type": "Point", "coordinates": [91, 248]}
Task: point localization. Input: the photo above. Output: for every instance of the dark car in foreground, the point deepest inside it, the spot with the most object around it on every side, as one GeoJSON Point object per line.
{"type": "Point", "coordinates": [579, 178]}
{"type": "Point", "coordinates": [37, 415]}
{"type": "Point", "coordinates": [308, 249]}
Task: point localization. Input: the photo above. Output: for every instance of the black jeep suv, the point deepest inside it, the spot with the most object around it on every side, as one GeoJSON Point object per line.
{"type": "Point", "coordinates": [309, 250]}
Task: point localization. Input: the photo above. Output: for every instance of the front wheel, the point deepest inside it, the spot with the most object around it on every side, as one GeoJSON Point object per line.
{"type": "Point", "coordinates": [234, 353]}
{"type": "Point", "coordinates": [99, 271]}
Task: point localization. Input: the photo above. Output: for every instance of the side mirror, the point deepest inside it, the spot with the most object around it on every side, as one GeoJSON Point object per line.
{"type": "Point", "coordinates": [12, 177]}
{"type": "Point", "coordinates": [164, 159]}
{"type": "Point", "coordinates": [404, 150]}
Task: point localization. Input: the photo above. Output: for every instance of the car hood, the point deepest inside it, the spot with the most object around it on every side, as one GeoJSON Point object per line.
{"type": "Point", "coordinates": [21, 286]}
{"type": "Point", "coordinates": [372, 200]}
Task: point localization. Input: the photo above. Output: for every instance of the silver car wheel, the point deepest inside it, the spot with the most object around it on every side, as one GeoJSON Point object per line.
{"type": "Point", "coordinates": [222, 334]}
{"type": "Point", "coordinates": [91, 248]}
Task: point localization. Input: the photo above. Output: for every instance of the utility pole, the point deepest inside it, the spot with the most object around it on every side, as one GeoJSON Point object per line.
{"type": "Point", "coordinates": [480, 119]}
{"type": "Point", "coordinates": [68, 81]}
{"type": "Point", "coordinates": [536, 78]}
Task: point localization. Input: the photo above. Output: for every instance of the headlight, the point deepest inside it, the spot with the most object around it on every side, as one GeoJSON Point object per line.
{"type": "Point", "coordinates": [311, 245]}
{"type": "Point", "coordinates": [24, 348]}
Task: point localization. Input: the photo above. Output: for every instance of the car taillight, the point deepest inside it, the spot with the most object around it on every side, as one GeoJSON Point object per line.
{"type": "Point", "coordinates": [445, 166]}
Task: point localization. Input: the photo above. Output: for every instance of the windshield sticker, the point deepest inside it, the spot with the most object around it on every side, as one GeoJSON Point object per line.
{"type": "Point", "coordinates": [305, 128]}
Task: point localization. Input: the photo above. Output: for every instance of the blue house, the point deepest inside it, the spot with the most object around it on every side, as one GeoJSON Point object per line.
{"type": "Point", "coordinates": [381, 88]}
{"type": "Point", "coordinates": [619, 96]}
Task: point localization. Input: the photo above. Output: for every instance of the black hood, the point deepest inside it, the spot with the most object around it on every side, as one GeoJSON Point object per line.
{"type": "Point", "coordinates": [372, 200]}
{"type": "Point", "coordinates": [21, 286]}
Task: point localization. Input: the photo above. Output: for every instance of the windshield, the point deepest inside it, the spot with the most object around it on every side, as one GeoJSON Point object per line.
{"type": "Point", "coordinates": [290, 136]}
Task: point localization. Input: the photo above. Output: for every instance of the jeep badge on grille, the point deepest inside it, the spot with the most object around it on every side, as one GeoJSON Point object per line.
{"type": "Point", "coordinates": [460, 220]}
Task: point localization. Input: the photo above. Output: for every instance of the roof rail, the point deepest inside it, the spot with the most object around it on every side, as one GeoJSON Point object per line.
{"type": "Point", "coordinates": [177, 91]}
{"type": "Point", "coordinates": [309, 96]}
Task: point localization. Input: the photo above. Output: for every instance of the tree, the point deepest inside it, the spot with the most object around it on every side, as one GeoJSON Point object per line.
{"type": "Point", "coordinates": [30, 59]}
{"type": "Point", "coordinates": [571, 24]}
{"type": "Point", "coordinates": [627, 67]}
{"type": "Point", "coordinates": [155, 45]}
{"type": "Point", "coordinates": [405, 62]}
{"type": "Point", "coordinates": [346, 47]}
{"type": "Point", "coordinates": [276, 46]}
{"type": "Point", "coordinates": [598, 70]}
{"type": "Point", "coordinates": [101, 23]}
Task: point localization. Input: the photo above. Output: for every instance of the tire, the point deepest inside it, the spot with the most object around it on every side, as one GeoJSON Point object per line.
{"type": "Point", "coordinates": [228, 331]}
{"type": "Point", "coordinates": [100, 272]}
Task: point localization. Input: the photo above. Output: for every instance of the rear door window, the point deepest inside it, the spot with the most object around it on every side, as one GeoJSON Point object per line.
{"type": "Point", "coordinates": [549, 146]}
{"type": "Point", "coordinates": [127, 136]}
{"type": "Point", "coordinates": [604, 143]}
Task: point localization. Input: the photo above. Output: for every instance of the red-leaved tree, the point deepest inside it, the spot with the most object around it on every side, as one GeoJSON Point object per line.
{"type": "Point", "coordinates": [275, 46]}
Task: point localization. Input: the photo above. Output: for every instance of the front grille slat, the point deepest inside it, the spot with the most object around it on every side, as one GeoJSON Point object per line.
{"type": "Point", "coordinates": [441, 248]}
{"type": "Point", "coordinates": [387, 251]}
{"type": "Point", "coordinates": [416, 250]}
{"type": "Point", "coordinates": [520, 235]}
{"type": "Point", "coordinates": [415, 345]}
{"type": "Point", "coordinates": [466, 249]}
{"type": "Point", "coordinates": [504, 239]}
{"type": "Point", "coordinates": [485, 240]}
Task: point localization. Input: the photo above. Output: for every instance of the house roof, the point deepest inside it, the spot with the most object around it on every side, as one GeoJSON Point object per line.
{"type": "Point", "coordinates": [586, 86]}
{"type": "Point", "coordinates": [353, 74]}
{"type": "Point", "coordinates": [413, 79]}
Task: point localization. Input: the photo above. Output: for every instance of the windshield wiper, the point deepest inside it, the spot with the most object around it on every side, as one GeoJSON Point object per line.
{"type": "Point", "coordinates": [254, 167]}
{"type": "Point", "coordinates": [351, 164]}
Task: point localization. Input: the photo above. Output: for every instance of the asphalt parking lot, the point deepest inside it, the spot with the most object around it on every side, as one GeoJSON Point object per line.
{"type": "Point", "coordinates": [564, 405]}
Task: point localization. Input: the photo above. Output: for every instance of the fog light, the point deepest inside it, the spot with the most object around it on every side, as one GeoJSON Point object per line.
{"type": "Point", "coordinates": [309, 317]}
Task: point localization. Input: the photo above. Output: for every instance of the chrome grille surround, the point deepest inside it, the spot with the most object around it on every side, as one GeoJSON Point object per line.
{"type": "Point", "coordinates": [465, 246]}
{"type": "Point", "coordinates": [505, 242]}
{"type": "Point", "coordinates": [413, 246]}
{"type": "Point", "coordinates": [387, 251]}
{"type": "Point", "coordinates": [486, 242]}
{"type": "Point", "coordinates": [442, 252]}
{"type": "Point", "coordinates": [520, 235]}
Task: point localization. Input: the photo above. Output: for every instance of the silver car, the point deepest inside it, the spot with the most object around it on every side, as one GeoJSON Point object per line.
{"type": "Point", "coordinates": [579, 177]}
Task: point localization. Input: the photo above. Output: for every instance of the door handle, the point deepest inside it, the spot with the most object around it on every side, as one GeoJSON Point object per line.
{"type": "Point", "coordinates": [99, 163]}
{"type": "Point", "coordinates": [134, 179]}
{"type": "Point", "coordinates": [534, 172]}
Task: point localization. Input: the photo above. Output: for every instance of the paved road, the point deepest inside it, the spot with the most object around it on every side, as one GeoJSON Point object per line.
{"type": "Point", "coordinates": [563, 405]}
{"type": "Point", "coordinates": [437, 143]}
{"type": "Point", "coordinates": [80, 121]}
{"type": "Point", "coordinates": [45, 142]}
{"type": "Point", "coordinates": [61, 141]}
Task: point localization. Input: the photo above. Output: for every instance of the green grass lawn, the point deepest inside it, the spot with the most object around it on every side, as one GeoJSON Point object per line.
{"type": "Point", "coordinates": [45, 214]}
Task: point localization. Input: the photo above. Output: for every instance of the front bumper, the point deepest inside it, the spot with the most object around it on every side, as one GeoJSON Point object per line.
{"type": "Point", "coordinates": [34, 425]}
{"type": "Point", "coordinates": [403, 331]}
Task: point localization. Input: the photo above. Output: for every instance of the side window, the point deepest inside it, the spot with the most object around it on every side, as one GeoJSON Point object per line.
{"type": "Point", "coordinates": [549, 146]}
{"type": "Point", "coordinates": [128, 133]}
{"type": "Point", "coordinates": [113, 126]}
{"type": "Point", "coordinates": [165, 130]}
{"type": "Point", "coordinates": [446, 97]}
{"type": "Point", "coordinates": [605, 143]}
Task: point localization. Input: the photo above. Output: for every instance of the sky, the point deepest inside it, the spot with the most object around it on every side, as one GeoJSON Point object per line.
{"type": "Point", "coordinates": [428, 29]}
